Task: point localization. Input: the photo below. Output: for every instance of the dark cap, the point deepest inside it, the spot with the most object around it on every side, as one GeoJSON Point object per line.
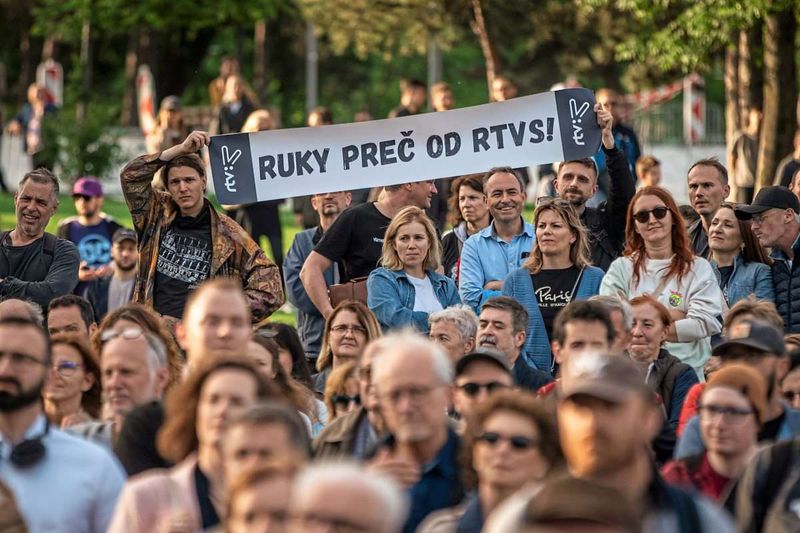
{"type": "Point", "coordinates": [754, 334]}
{"type": "Point", "coordinates": [489, 356]}
{"type": "Point", "coordinates": [124, 234]}
{"type": "Point", "coordinates": [172, 103]}
{"type": "Point", "coordinates": [610, 378]}
{"type": "Point", "coordinates": [87, 186]}
{"type": "Point", "coordinates": [772, 197]}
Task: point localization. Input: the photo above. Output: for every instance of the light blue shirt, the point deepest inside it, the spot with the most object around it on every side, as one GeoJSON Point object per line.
{"type": "Point", "coordinates": [486, 257]}
{"type": "Point", "coordinates": [74, 487]}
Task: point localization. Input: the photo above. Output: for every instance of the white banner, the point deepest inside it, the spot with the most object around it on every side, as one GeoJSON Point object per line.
{"type": "Point", "coordinates": [268, 165]}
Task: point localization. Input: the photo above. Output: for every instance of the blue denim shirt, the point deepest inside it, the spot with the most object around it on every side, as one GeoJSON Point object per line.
{"type": "Point", "coordinates": [486, 257]}
{"type": "Point", "coordinates": [746, 279]}
{"type": "Point", "coordinates": [391, 297]}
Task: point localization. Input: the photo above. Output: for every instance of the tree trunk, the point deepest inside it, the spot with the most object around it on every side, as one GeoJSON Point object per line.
{"type": "Point", "coordinates": [731, 96]}
{"type": "Point", "coordinates": [128, 116]}
{"type": "Point", "coordinates": [86, 65]}
{"type": "Point", "coordinates": [745, 76]}
{"type": "Point", "coordinates": [780, 92]}
{"type": "Point", "coordinates": [26, 69]}
{"type": "Point", "coordinates": [490, 56]}
{"type": "Point", "coordinates": [260, 60]}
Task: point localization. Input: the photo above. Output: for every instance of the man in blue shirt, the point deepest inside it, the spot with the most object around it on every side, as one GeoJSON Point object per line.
{"type": "Point", "coordinates": [491, 254]}
{"type": "Point", "coordinates": [310, 323]}
{"type": "Point", "coordinates": [91, 231]}
{"type": "Point", "coordinates": [412, 379]}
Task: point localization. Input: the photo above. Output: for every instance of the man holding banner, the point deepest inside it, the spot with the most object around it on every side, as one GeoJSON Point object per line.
{"type": "Point", "coordinates": [183, 240]}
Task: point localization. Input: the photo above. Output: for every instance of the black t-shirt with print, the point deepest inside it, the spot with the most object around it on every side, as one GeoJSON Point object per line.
{"type": "Point", "coordinates": [553, 289]}
{"type": "Point", "coordinates": [184, 261]}
{"type": "Point", "coordinates": [355, 240]}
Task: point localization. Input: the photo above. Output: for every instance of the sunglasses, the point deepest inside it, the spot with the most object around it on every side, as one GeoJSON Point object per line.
{"type": "Point", "coordinates": [518, 442]}
{"type": "Point", "coordinates": [127, 333]}
{"type": "Point", "coordinates": [658, 212]}
{"type": "Point", "coordinates": [552, 200]}
{"type": "Point", "coordinates": [472, 389]}
{"type": "Point", "coordinates": [346, 400]}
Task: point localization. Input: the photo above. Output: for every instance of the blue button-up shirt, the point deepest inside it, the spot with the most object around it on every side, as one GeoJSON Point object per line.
{"type": "Point", "coordinates": [439, 487]}
{"type": "Point", "coordinates": [74, 487]}
{"type": "Point", "coordinates": [486, 257]}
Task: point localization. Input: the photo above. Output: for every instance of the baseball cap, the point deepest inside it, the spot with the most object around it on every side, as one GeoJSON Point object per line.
{"type": "Point", "coordinates": [489, 356]}
{"type": "Point", "coordinates": [173, 103]}
{"type": "Point", "coordinates": [87, 186]}
{"type": "Point", "coordinates": [744, 379]}
{"type": "Point", "coordinates": [610, 378]}
{"type": "Point", "coordinates": [755, 334]}
{"type": "Point", "coordinates": [124, 234]}
{"type": "Point", "coordinates": [772, 197]}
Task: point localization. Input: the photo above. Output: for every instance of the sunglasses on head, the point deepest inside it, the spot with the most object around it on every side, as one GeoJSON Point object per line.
{"type": "Point", "coordinates": [658, 212]}
{"type": "Point", "coordinates": [345, 399]}
{"type": "Point", "coordinates": [473, 389]}
{"type": "Point", "coordinates": [518, 442]}
{"type": "Point", "coordinates": [552, 200]}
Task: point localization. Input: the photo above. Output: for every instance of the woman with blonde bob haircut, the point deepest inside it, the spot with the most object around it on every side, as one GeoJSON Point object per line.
{"type": "Point", "coordinates": [407, 288]}
{"type": "Point", "coordinates": [557, 272]}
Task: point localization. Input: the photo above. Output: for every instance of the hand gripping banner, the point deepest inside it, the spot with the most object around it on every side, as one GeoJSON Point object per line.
{"type": "Point", "coordinates": [536, 129]}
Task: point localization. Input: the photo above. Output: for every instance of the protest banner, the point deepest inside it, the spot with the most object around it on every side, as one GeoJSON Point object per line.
{"type": "Point", "coordinates": [268, 165]}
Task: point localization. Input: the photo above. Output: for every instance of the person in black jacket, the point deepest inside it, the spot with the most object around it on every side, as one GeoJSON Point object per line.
{"type": "Point", "coordinates": [775, 216]}
{"type": "Point", "coordinates": [576, 182]}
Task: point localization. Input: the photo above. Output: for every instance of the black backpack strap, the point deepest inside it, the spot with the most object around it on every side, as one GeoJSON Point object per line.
{"type": "Point", "coordinates": [685, 510]}
{"type": "Point", "coordinates": [766, 488]}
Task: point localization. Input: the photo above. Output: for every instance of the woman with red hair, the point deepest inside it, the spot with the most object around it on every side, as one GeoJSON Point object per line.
{"type": "Point", "coordinates": [658, 260]}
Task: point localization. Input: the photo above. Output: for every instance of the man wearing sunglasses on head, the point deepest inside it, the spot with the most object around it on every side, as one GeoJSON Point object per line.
{"type": "Point", "coordinates": [134, 372]}
{"type": "Point", "coordinates": [576, 182]}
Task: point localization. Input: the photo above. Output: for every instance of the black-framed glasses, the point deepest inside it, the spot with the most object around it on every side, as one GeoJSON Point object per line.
{"type": "Point", "coordinates": [344, 399]}
{"type": "Point", "coordinates": [658, 212]}
{"type": "Point", "coordinates": [731, 415]}
{"type": "Point", "coordinates": [472, 389]}
{"type": "Point", "coordinates": [127, 333]}
{"type": "Point", "coordinates": [518, 442]}
{"type": "Point", "coordinates": [66, 369]}
{"type": "Point", "coordinates": [342, 328]}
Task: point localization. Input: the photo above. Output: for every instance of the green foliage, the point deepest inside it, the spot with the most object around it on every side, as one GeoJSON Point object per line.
{"type": "Point", "coordinates": [86, 147]}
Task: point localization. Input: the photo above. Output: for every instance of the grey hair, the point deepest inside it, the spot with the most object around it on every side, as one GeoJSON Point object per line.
{"type": "Point", "coordinates": [394, 501]}
{"type": "Point", "coordinates": [615, 303]}
{"type": "Point", "coordinates": [405, 341]}
{"type": "Point", "coordinates": [463, 318]}
{"type": "Point", "coordinates": [42, 176]}
{"type": "Point", "coordinates": [156, 352]}
{"type": "Point", "coordinates": [34, 310]}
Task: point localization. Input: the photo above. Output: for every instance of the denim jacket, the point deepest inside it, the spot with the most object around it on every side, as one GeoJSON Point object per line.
{"type": "Point", "coordinates": [391, 297]}
{"type": "Point", "coordinates": [746, 279]}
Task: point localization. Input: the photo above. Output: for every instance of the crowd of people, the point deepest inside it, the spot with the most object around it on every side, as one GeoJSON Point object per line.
{"type": "Point", "coordinates": [609, 365]}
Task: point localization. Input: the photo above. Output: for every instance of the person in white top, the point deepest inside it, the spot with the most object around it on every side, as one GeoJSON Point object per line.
{"type": "Point", "coordinates": [658, 260]}
{"type": "Point", "coordinates": [407, 289]}
{"type": "Point", "coordinates": [60, 483]}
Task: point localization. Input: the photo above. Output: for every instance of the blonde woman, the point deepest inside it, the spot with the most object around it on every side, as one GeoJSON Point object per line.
{"type": "Point", "coordinates": [557, 272]}
{"type": "Point", "coordinates": [407, 288]}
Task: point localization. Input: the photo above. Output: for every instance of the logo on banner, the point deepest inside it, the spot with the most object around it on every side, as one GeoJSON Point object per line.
{"type": "Point", "coordinates": [576, 114]}
{"type": "Point", "coordinates": [228, 161]}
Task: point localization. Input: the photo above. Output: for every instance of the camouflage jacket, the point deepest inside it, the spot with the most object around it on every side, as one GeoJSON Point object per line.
{"type": "Point", "coordinates": [234, 253]}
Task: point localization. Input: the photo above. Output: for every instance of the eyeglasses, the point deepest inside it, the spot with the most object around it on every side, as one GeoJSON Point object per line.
{"type": "Point", "coordinates": [473, 389]}
{"type": "Point", "coordinates": [415, 394]}
{"type": "Point", "coordinates": [730, 415]}
{"type": "Point", "coordinates": [127, 333]}
{"type": "Point", "coordinates": [341, 329]}
{"type": "Point", "coordinates": [791, 395]}
{"type": "Point", "coordinates": [344, 399]}
{"type": "Point", "coordinates": [552, 200]}
{"type": "Point", "coordinates": [19, 359]}
{"type": "Point", "coordinates": [658, 212]}
{"type": "Point", "coordinates": [66, 369]}
{"type": "Point", "coordinates": [760, 217]}
{"type": "Point", "coordinates": [518, 442]}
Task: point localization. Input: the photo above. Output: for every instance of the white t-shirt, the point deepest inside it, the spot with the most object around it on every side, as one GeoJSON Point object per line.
{"type": "Point", "coordinates": [425, 299]}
